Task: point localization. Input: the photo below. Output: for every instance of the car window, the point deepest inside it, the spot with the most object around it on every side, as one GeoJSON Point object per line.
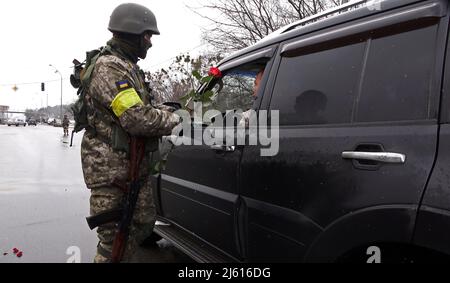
{"type": "Point", "coordinates": [320, 87]}
{"type": "Point", "coordinates": [386, 76]}
{"type": "Point", "coordinates": [236, 89]}
{"type": "Point", "coordinates": [398, 76]}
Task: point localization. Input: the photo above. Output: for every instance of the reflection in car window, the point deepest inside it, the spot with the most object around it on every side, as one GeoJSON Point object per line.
{"type": "Point", "coordinates": [318, 88]}
{"type": "Point", "coordinates": [397, 88]}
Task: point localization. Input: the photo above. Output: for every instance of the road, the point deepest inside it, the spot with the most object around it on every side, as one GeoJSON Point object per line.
{"type": "Point", "coordinates": [44, 201]}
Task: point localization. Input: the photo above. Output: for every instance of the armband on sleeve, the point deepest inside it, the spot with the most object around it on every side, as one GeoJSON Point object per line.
{"type": "Point", "coordinates": [125, 99]}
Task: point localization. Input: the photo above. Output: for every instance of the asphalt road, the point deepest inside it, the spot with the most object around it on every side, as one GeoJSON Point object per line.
{"type": "Point", "coordinates": [44, 201]}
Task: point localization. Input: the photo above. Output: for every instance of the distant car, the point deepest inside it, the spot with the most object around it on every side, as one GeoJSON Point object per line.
{"type": "Point", "coordinates": [17, 122]}
{"type": "Point", "coordinates": [32, 122]}
{"type": "Point", "coordinates": [57, 123]}
{"type": "Point", "coordinates": [50, 121]}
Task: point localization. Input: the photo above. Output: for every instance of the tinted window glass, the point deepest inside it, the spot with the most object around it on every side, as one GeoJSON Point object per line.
{"type": "Point", "coordinates": [398, 76]}
{"type": "Point", "coordinates": [318, 88]}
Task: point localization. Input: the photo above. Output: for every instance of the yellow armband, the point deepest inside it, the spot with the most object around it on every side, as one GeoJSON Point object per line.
{"type": "Point", "coordinates": [126, 99]}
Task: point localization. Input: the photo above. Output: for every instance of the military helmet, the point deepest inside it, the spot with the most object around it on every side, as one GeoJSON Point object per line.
{"type": "Point", "coordinates": [133, 19]}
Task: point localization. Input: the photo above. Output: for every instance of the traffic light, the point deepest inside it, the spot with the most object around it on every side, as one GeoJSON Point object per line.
{"type": "Point", "coordinates": [42, 86]}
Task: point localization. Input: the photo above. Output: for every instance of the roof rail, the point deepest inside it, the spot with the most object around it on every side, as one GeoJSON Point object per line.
{"type": "Point", "coordinates": [327, 13]}
{"type": "Point", "coordinates": [322, 15]}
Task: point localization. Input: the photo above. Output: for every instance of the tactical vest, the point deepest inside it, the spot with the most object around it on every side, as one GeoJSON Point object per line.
{"type": "Point", "coordinates": [119, 140]}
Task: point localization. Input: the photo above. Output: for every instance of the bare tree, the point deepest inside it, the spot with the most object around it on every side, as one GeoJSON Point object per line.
{"type": "Point", "coordinates": [235, 24]}
{"type": "Point", "coordinates": [177, 80]}
{"type": "Point", "coordinates": [241, 23]}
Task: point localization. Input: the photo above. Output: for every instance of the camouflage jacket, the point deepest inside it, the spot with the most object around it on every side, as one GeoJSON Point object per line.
{"type": "Point", "coordinates": [65, 123]}
{"type": "Point", "coordinates": [101, 164]}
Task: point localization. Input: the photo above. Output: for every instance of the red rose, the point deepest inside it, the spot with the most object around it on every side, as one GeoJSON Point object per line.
{"type": "Point", "coordinates": [19, 254]}
{"type": "Point", "coordinates": [15, 250]}
{"type": "Point", "coordinates": [215, 72]}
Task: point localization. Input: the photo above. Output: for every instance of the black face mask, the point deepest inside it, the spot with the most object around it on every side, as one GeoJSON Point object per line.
{"type": "Point", "coordinates": [145, 45]}
{"type": "Point", "coordinates": [133, 46]}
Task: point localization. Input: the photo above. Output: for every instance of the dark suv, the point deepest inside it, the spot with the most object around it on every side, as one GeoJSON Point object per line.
{"type": "Point", "coordinates": [32, 122]}
{"type": "Point", "coordinates": [363, 94]}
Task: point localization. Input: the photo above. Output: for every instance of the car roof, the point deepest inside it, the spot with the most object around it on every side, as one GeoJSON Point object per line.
{"type": "Point", "coordinates": [350, 11]}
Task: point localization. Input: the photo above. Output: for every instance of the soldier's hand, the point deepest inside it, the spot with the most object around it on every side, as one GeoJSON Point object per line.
{"type": "Point", "coordinates": [173, 120]}
{"type": "Point", "coordinates": [176, 116]}
{"type": "Point", "coordinates": [170, 106]}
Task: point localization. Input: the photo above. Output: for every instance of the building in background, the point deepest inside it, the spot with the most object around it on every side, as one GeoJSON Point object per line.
{"type": "Point", "coordinates": [3, 113]}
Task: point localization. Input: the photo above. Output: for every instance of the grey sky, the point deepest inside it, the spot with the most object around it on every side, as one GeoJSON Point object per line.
{"type": "Point", "coordinates": [38, 33]}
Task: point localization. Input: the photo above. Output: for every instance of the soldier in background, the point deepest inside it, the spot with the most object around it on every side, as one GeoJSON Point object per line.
{"type": "Point", "coordinates": [120, 107]}
{"type": "Point", "coordinates": [65, 124]}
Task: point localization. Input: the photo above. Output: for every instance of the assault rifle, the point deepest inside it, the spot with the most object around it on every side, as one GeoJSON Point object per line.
{"type": "Point", "coordinates": [126, 212]}
{"type": "Point", "coordinates": [137, 152]}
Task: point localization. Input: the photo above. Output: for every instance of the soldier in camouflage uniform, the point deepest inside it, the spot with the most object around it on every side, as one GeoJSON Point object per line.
{"type": "Point", "coordinates": [120, 106]}
{"type": "Point", "coordinates": [65, 124]}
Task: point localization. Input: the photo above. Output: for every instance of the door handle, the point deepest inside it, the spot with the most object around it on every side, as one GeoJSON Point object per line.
{"type": "Point", "coordinates": [223, 148]}
{"type": "Point", "coordinates": [383, 157]}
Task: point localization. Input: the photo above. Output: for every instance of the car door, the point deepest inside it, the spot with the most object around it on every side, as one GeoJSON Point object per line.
{"type": "Point", "coordinates": [198, 190]}
{"type": "Point", "coordinates": [358, 136]}
{"type": "Point", "coordinates": [433, 223]}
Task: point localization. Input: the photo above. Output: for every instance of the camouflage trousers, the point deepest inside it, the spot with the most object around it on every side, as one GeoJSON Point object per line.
{"type": "Point", "coordinates": [106, 198]}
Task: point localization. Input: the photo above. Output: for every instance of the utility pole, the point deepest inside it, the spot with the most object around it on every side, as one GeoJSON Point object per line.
{"type": "Point", "coordinates": [61, 107]}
